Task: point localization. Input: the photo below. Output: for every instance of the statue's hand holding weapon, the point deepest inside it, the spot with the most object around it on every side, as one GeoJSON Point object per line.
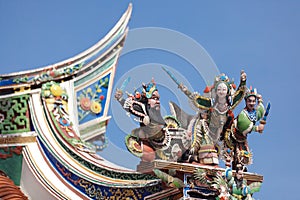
{"type": "Point", "coordinates": [263, 121]}
{"type": "Point", "coordinates": [260, 128]}
{"type": "Point", "coordinates": [185, 90]}
{"type": "Point", "coordinates": [119, 92]}
{"type": "Point", "coordinates": [180, 85]}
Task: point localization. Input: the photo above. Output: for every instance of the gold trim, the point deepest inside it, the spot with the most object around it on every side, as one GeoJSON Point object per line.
{"type": "Point", "coordinates": [198, 105]}
{"type": "Point", "coordinates": [17, 140]}
{"type": "Point", "coordinates": [242, 91]}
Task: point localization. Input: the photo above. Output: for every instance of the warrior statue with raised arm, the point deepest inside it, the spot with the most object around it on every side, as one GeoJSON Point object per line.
{"type": "Point", "coordinates": [145, 106]}
{"type": "Point", "coordinates": [214, 112]}
{"type": "Point", "coordinates": [235, 137]}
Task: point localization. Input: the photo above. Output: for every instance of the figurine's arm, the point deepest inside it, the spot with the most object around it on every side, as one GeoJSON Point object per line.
{"type": "Point", "coordinates": [127, 104]}
{"type": "Point", "coordinates": [198, 100]}
{"type": "Point", "coordinates": [119, 92]}
{"type": "Point", "coordinates": [245, 124]}
{"type": "Point", "coordinates": [240, 93]}
{"type": "Point", "coordinates": [258, 128]}
{"type": "Point", "coordinates": [119, 97]}
{"type": "Point", "coordinates": [201, 102]}
{"type": "Point", "coordinates": [185, 90]}
{"type": "Point", "coordinates": [260, 109]}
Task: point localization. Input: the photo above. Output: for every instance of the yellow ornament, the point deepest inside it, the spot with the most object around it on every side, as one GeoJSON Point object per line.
{"type": "Point", "coordinates": [56, 90]}
{"type": "Point", "coordinates": [96, 107]}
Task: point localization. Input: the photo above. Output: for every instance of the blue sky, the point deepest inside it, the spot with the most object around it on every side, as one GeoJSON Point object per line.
{"type": "Point", "coordinates": [261, 37]}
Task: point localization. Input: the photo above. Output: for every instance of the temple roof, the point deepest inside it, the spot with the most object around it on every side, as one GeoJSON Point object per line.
{"type": "Point", "coordinates": [8, 190]}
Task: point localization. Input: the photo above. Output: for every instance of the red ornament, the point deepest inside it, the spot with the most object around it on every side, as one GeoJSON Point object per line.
{"type": "Point", "coordinates": [52, 73]}
{"type": "Point", "coordinates": [206, 90]}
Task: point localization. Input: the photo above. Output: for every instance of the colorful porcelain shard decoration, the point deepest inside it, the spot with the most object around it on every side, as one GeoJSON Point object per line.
{"type": "Point", "coordinates": [53, 132]}
{"type": "Point", "coordinates": [186, 149]}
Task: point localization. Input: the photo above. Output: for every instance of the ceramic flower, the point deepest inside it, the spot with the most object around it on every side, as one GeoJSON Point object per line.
{"type": "Point", "coordinates": [85, 103]}
{"type": "Point", "coordinates": [96, 107]}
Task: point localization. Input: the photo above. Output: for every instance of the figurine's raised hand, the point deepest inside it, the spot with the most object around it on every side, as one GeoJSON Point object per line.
{"type": "Point", "coordinates": [243, 76]}
{"type": "Point", "coordinates": [182, 87]}
{"type": "Point", "coordinates": [119, 94]}
{"type": "Point", "coordinates": [259, 98]}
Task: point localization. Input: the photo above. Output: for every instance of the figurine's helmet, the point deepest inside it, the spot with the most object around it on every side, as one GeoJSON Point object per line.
{"type": "Point", "coordinates": [149, 88]}
{"type": "Point", "coordinates": [222, 78]}
{"type": "Point", "coordinates": [251, 92]}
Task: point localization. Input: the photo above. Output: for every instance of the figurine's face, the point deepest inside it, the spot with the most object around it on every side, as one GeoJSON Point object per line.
{"type": "Point", "coordinates": [239, 174]}
{"type": "Point", "coordinates": [154, 100]}
{"type": "Point", "coordinates": [222, 90]}
{"type": "Point", "coordinates": [250, 103]}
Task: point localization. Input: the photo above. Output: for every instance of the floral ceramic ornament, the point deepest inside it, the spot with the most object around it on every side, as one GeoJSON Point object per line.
{"type": "Point", "coordinates": [90, 99]}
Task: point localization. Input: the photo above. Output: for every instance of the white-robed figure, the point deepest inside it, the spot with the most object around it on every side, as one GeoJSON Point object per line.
{"type": "Point", "coordinates": [214, 109]}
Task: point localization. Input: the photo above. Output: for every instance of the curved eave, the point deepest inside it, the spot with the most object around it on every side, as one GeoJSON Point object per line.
{"type": "Point", "coordinates": [56, 169]}
{"type": "Point", "coordinates": [118, 31]}
{"type": "Point", "coordinates": [45, 175]}
{"type": "Point", "coordinates": [46, 136]}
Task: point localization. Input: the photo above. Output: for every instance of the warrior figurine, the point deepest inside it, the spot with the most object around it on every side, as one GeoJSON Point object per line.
{"type": "Point", "coordinates": [219, 101]}
{"type": "Point", "coordinates": [235, 138]}
{"type": "Point", "coordinates": [214, 114]}
{"type": "Point", "coordinates": [145, 106]}
{"type": "Point", "coordinates": [238, 185]}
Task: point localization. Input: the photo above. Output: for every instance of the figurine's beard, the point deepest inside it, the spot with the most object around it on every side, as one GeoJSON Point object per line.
{"type": "Point", "coordinates": [155, 115]}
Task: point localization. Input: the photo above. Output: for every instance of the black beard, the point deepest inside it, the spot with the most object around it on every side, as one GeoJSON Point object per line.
{"type": "Point", "coordinates": [155, 115]}
{"type": "Point", "coordinates": [239, 182]}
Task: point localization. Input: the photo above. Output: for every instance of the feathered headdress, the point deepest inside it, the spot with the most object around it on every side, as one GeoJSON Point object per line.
{"type": "Point", "coordinates": [251, 92]}
{"type": "Point", "coordinates": [149, 88]}
{"type": "Point", "coordinates": [222, 78]}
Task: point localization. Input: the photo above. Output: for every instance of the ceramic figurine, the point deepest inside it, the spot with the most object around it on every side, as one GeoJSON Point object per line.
{"type": "Point", "coordinates": [145, 106]}
{"type": "Point", "coordinates": [251, 119]}
{"type": "Point", "coordinates": [214, 109]}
